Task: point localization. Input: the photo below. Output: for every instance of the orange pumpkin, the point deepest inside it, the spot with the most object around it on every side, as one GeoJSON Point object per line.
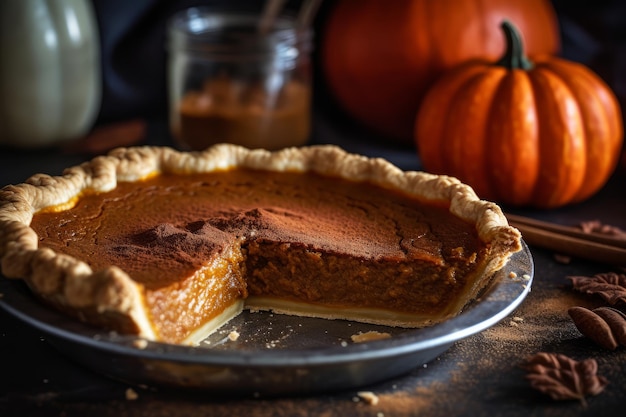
{"type": "Point", "coordinates": [541, 133]}
{"type": "Point", "coordinates": [380, 56]}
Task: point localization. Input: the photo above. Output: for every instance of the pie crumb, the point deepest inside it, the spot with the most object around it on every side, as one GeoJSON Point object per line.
{"type": "Point", "coordinates": [131, 394]}
{"type": "Point", "coordinates": [368, 396]}
{"type": "Point", "coordinates": [234, 335]}
{"type": "Point", "coordinates": [140, 343]}
{"type": "Point", "coordinates": [369, 336]}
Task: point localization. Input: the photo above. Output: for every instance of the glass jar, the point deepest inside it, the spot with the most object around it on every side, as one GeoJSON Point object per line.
{"type": "Point", "coordinates": [230, 83]}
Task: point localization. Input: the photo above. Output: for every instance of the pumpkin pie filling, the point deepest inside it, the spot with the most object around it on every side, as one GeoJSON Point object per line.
{"type": "Point", "coordinates": [199, 246]}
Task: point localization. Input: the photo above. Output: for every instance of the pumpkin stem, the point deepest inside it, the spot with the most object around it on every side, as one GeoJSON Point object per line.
{"type": "Point", "coordinates": [514, 56]}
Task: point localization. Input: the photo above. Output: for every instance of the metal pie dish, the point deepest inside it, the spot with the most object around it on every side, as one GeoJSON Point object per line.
{"type": "Point", "coordinates": [274, 354]}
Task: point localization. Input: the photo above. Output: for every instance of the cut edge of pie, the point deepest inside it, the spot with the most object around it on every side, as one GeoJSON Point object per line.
{"type": "Point", "coordinates": [111, 298]}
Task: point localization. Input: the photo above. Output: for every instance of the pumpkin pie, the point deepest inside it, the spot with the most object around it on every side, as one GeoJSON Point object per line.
{"type": "Point", "coordinates": [170, 245]}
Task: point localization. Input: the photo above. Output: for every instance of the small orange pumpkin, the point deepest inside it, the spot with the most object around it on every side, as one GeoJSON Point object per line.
{"type": "Point", "coordinates": [542, 133]}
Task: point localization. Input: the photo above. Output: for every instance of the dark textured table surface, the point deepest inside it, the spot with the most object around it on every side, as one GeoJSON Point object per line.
{"type": "Point", "coordinates": [478, 376]}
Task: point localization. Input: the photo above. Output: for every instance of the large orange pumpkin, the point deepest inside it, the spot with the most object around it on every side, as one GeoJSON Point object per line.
{"type": "Point", "coordinates": [380, 56]}
{"type": "Point", "coordinates": [541, 133]}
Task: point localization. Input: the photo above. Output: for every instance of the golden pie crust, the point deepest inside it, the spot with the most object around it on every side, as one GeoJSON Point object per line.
{"type": "Point", "coordinates": [110, 297]}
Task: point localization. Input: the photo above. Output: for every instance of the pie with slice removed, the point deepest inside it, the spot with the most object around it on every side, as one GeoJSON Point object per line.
{"type": "Point", "coordinates": [170, 245]}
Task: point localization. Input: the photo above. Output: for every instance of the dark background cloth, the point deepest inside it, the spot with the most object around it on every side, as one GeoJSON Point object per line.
{"type": "Point", "coordinates": [594, 33]}
{"type": "Point", "coordinates": [133, 45]}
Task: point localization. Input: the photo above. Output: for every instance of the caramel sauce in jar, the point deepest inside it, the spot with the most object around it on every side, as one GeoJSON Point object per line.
{"type": "Point", "coordinates": [228, 111]}
{"type": "Point", "coordinates": [230, 83]}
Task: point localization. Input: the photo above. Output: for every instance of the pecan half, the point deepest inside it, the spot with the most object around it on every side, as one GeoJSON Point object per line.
{"type": "Point", "coordinates": [606, 326]}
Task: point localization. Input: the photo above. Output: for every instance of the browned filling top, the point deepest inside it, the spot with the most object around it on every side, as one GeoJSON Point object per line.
{"type": "Point", "coordinates": [167, 226]}
{"type": "Point", "coordinates": [294, 236]}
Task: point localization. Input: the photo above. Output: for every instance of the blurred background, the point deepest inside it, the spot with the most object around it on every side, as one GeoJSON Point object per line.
{"type": "Point", "coordinates": [133, 54]}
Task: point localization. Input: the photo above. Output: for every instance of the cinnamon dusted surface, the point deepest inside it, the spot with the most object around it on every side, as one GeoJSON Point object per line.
{"type": "Point", "coordinates": [168, 228]}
